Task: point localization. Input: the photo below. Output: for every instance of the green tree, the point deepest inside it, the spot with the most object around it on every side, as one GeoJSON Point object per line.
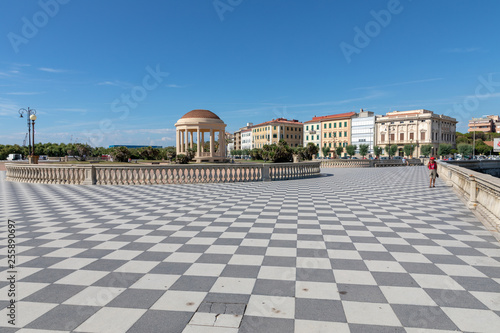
{"type": "Point", "coordinates": [170, 153]}
{"type": "Point", "coordinates": [444, 149]}
{"type": "Point", "coordinates": [363, 149]}
{"type": "Point", "coordinates": [426, 150]}
{"type": "Point", "coordinates": [182, 159]}
{"type": "Point", "coordinates": [326, 151]}
{"type": "Point", "coordinates": [120, 154]}
{"type": "Point", "coordinates": [339, 150]}
{"type": "Point", "coordinates": [378, 151]}
{"type": "Point", "coordinates": [351, 150]}
{"type": "Point", "coordinates": [393, 149]}
{"type": "Point", "coordinates": [464, 149]}
{"type": "Point", "coordinates": [408, 150]}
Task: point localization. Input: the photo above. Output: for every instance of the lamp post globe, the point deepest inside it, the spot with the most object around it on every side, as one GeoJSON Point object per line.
{"type": "Point", "coordinates": [33, 117]}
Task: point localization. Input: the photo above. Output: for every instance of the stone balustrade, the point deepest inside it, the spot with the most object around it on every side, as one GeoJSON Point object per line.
{"type": "Point", "coordinates": [342, 163]}
{"type": "Point", "coordinates": [480, 191]}
{"type": "Point", "coordinates": [158, 174]}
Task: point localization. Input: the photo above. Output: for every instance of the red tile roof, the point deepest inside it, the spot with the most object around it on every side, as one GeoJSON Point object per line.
{"type": "Point", "coordinates": [333, 116]}
{"type": "Point", "coordinates": [280, 121]}
{"type": "Point", "coordinates": [200, 114]}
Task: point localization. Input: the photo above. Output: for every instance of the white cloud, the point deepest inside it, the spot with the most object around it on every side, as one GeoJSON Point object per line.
{"type": "Point", "coordinates": [25, 93]}
{"type": "Point", "coordinates": [116, 83]}
{"type": "Point", "coordinates": [52, 70]}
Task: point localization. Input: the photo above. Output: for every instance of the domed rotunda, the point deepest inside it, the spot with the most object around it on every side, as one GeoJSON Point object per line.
{"type": "Point", "coordinates": [192, 128]}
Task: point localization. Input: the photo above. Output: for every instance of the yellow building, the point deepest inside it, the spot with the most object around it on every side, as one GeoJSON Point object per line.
{"type": "Point", "coordinates": [336, 131]}
{"type": "Point", "coordinates": [272, 131]}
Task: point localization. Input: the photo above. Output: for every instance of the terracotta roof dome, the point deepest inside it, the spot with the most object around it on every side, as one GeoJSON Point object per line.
{"type": "Point", "coordinates": [200, 114]}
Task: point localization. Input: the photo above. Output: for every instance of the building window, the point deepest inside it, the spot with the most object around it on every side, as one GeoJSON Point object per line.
{"type": "Point", "coordinates": [392, 137]}
{"type": "Point", "coordinates": [401, 136]}
{"type": "Point", "coordinates": [340, 134]}
{"type": "Point", "coordinates": [307, 137]}
{"type": "Point", "coordinates": [411, 136]}
{"type": "Point", "coordinates": [317, 127]}
{"type": "Point", "coordinates": [275, 128]}
{"type": "Point", "coordinates": [345, 134]}
{"type": "Point", "coordinates": [345, 123]}
{"type": "Point", "coordinates": [330, 145]}
{"type": "Point", "coordinates": [330, 125]}
{"type": "Point", "coordinates": [287, 136]}
{"type": "Point", "coordinates": [335, 134]}
{"type": "Point", "coordinates": [307, 128]}
{"type": "Point", "coordinates": [382, 137]}
{"type": "Point", "coordinates": [275, 136]}
{"type": "Point", "coordinates": [282, 136]}
{"type": "Point", "coordinates": [422, 136]}
{"type": "Point", "coordinates": [330, 134]}
{"type": "Point", "coordinates": [317, 137]}
{"type": "Point", "coordinates": [324, 135]}
{"type": "Point", "coordinates": [340, 125]}
{"type": "Point", "coordinates": [335, 144]}
{"type": "Point", "coordinates": [324, 126]}
{"type": "Point", "coordinates": [335, 125]}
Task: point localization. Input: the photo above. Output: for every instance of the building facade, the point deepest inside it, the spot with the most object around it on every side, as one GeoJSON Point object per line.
{"type": "Point", "coordinates": [487, 124]}
{"type": "Point", "coordinates": [363, 130]}
{"type": "Point", "coordinates": [237, 140]}
{"type": "Point", "coordinates": [272, 131]}
{"type": "Point", "coordinates": [336, 131]}
{"type": "Point", "coordinates": [312, 133]}
{"type": "Point", "coordinates": [414, 127]}
{"type": "Point", "coordinates": [246, 139]}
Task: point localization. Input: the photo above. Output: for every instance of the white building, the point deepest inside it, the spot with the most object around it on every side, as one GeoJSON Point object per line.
{"type": "Point", "coordinates": [363, 130]}
{"type": "Point", "coordinates": [415, 127]}
{"type": "Point", "coordinates": [312, 133]}
{"type": "Point", "coordinates": [246, 139]}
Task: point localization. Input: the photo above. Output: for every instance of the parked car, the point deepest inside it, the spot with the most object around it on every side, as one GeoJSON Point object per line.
{"type": "Point", "coordinates": [14, 157]}
{"type": "Point", "coordinates": [397, 157]}
{"type": "Point", "coordinates": [354, 158]}
{"type": "Point", "coordinates": [384, 158]}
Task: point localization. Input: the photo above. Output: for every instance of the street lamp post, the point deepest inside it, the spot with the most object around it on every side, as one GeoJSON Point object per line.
{"type": "Point", "coordinates": [34, 160]}
{"type": "Point", "coordinates": [28, 112]}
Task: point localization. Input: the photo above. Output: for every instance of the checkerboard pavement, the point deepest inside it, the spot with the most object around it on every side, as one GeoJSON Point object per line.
{"type": "Point", "coordinates": [357, 250]}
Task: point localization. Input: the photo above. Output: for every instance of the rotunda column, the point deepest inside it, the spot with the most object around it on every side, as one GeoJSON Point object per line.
{"type": "Point", "coordinates": [212, 142]}
{"type": "Point", "coordinates": [198, 146]}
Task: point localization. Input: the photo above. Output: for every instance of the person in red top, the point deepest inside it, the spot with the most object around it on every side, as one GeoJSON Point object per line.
{"type": "Point", "coordinates": [432, 172]}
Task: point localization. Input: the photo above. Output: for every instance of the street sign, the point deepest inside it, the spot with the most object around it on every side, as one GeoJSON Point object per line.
{"type": "Point", "coordinates": [496, 145]}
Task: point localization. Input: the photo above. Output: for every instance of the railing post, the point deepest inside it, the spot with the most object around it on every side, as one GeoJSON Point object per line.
{"type": "Point", "coordinates": [90, 177]}
{"type": "Point", "coordinates": [472, 192]}
{"type": "Point", "coordinates": [265, 173]}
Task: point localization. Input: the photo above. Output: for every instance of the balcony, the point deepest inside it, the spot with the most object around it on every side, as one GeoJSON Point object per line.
{"type": "Point", "coordinates": [312, 132]}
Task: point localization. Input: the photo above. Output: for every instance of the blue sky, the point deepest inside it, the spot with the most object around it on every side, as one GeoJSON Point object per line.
{"type": "Point", "coordinates": [123, 72]}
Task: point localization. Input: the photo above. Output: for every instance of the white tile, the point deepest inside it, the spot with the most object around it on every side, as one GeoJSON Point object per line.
{"type": "Point", "coordinates": [164, 247]}
{"type": "Point", "coordinates": [101, 237]}
{"type": "Point", "coordinates": [370, 247]}
{"type": "Point", "coordinates": [28, 311]}
{"type": "Point", "coordinates": [82, 277]}
{"type": "Point", "coordinates": [228, 320]}
{"type": "Point", "coordinates": [384, 266]}
{"type": "Point", "coordinates": [24, 289]}
{"type": "Point", "coordinates": [73, 263]}
{"type": "Point", "coordinates": [112, 320]}
{"type": "Point", "coordinates": [370, 314]}
{"type": "Point", "coordinates": [59, 243]}
{"type": "Point", "coordinates": [480, 261]}
{"type": "Point", "coordinates": [174, 300]}
{"type": "Point", "coordinates": [94, 296]}
{"type": "Point", "coordinates": [460, 270]}
{"type": "Point", "coordinates": [137, 266]}
{"type": "Point", "coordinates": [410, 257]}
{"type": "Point", "coordinates": [244, 259]}
{"type": "Point", "coordinates": [472, 320]}
{"type": "Point", "coordinates": [233, 285]}
{"type": "Point", "coordinates": [183, 257]}
{"type": "Point", "coordinates": [208, 329]}
{"type": "Point", "coordinates": [309, 326]}
{"type": "Point", "coordinates": [407, 295]}
{"type": "Point", "coordinates": [491, 300]}
{"type": "Point", "coordinates": [424, 249]}
{"type": "Point", "coordinates": [222, 249]}
{"type": "Point", "coordinates": [354, 277]}
{"type": "Point", "coordinates": [122, 255]}
{"type": "Point", "coordinates": [150, 239]}
{"type": "Point", "coordinates": [344, 254]}
{"type": "Point", "coordinates": [277, 273]}
{"type": "Point", "coordinates": [110, 245]}
{"type": "Point", "coordinates": [436, 282]}
{"type": "Point", "coordinates": [155, 281]}
{"type": "Point", "coordinates": [201, 269]}
{"type": "Point", "coordinates": [65, 253]}
{"type": "Point", "coordinates": [316, 290]}
{"type": "Point", "coordinates": [203, 319]}
{"type": "Point", "coordinates": [314, 263]}
{"type": "Point", "coordinates": [301, 244]}
{"type": "Point", "coordinates": [281, 251]}
{"type": "Point", "coordinates": [271, 306]}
